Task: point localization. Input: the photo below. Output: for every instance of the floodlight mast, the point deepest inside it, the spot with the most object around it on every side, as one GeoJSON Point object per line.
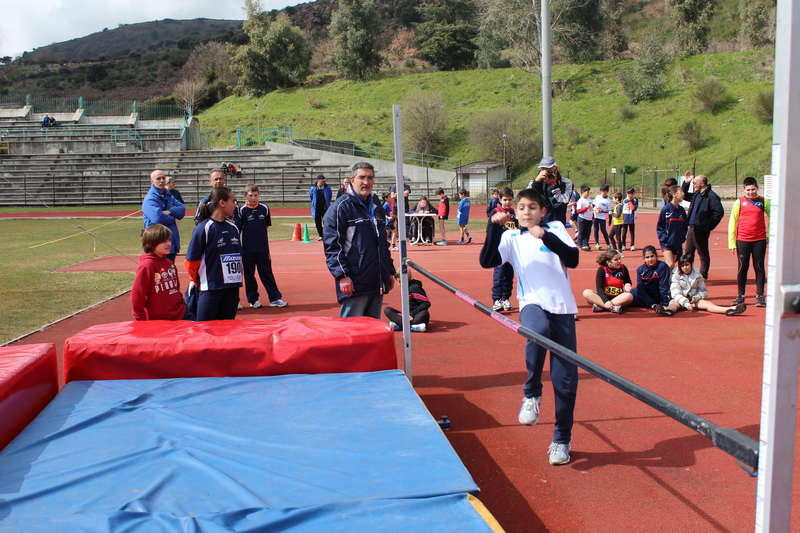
{"type": "Point", "coordinates": [547, 81]}
{"type": "Point", "coordinates": [781, 341]}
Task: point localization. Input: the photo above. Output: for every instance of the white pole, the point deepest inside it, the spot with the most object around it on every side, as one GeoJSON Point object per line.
{"type": "Point", "coordinates": [547, 81]}
{"type": "Point", "coordinates": [401, 229]}
{"type": "Point", "coordinates": [781, 339]}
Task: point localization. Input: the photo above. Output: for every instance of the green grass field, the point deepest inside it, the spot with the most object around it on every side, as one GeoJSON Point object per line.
{"type": "Point", "coordinates": [32, 295]}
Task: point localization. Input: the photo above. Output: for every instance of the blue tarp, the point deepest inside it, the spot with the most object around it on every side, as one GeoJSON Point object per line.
{"type": "Point", "coordinates": [333, 452]}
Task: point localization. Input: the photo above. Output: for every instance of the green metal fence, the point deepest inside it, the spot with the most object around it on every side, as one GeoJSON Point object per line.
{"type": "Point", "coordinates": [55, 105]}
{"type": "Point", "coordinates": [93, 107]}
{"type": "Point", "coordinates": [256, 137]}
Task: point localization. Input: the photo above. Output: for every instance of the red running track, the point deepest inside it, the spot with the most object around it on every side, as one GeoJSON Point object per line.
{"type": "Point", "coordinates": [632, 469]}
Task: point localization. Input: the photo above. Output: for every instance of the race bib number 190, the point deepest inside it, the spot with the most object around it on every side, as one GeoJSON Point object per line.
{"type": "Point", "coordinates": [231, 268]}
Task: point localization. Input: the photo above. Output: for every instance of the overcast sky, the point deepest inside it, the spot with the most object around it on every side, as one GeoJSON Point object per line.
{"type": "Point", "coordinates": [28, 25]}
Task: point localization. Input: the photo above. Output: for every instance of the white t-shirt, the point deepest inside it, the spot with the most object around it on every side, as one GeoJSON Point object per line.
{"type": "Point", "coordinates": [604, 205]}
{"type": "Point", "coordinates": [542, 278]}
{"type": "Point", "coordinates": [588, 214]}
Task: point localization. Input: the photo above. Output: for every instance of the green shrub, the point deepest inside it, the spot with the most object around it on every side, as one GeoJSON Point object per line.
{"type": "Point", "coordinates": [711, 94]}
{"type": "Point", "coordinates": [764, 106]}
{"type": "Point", "coordinates": [626, 112]}
{"type": "Point", "coordinates": [693, 134]}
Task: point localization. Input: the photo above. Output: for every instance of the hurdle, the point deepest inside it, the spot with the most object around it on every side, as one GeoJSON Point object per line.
{"type": "Point", "coordinates": [739, 446]}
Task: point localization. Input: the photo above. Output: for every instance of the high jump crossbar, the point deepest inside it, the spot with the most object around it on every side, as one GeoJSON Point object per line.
{"type": "Point", "coordinates": [740, 446]}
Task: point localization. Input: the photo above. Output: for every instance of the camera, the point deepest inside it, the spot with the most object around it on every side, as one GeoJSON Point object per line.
{"type": "Point", "coordinates": [551, 175]}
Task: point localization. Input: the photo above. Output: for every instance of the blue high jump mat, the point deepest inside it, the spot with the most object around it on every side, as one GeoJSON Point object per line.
{"type": "Point", "coordinates": [297, 453]}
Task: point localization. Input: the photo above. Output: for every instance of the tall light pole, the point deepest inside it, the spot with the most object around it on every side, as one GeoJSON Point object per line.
{"type": "Point", "coordinates": [547, 82]}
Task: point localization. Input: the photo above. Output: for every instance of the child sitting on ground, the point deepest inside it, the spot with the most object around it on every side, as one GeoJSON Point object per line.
{"type": "Point", "coordinates": [689, 291]}
{"type": "Point", "coordinates": [540, 255]}
{"type": "Point", "coordinates": [613, 283]}
{"type": "Point", "coordinates": [156, 292]}
{"type": "Point", "coordinates": [652, 284]}
{"type": "Point", "coordinates": [418, 305]}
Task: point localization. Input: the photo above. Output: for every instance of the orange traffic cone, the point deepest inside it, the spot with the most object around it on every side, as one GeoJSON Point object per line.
{"type": "Point", "coordinates": [306, 240]}
{"type": "Point", "coordinates": [296, 235]}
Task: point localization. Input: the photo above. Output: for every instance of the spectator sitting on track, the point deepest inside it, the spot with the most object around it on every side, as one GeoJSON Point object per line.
{"type": "Point", "coordinates": [156, 292]}
{"type": "Point", "coordinates": [612, 282]}
{"type": "Point", "coordinates": [423, 206]}
{"type": "Point", "coordinates": [418, 305]}
{"type": "Point", "coordinates": [652, 284]}
{"type": "Point", "coordinates": [689, 291]}
{"type": "Point", "coordinates": [175, 192]}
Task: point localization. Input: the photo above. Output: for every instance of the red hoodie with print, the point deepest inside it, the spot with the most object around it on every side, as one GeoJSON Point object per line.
{"type": "Point", "coordinates": [156, 292]}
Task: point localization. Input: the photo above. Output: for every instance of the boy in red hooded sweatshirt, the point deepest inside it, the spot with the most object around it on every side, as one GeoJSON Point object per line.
{"type": "Point", "coordinates": [156, 292]}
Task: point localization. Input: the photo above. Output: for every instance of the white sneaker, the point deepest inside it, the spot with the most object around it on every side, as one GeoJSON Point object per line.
{"type": "Point", "coordinates": [633, 249]}
{"type": "Point", "coordinates": [239, 307]}
{"type": "Point", "coordinates": [616, 309]}
{"type": "Point", "coordinates": [597, 309]}
{"type": "Point", "coordinates": [529, 413]}
{"type": "Point", "coordinates": [256, 304]}
{"type": "Point", "coordinates": [278, 303]}
{"type": "Point", "coordinates": [507, 305]}
{"type": "Point", "coordinates": [420, 328]}
{"type": "Point", "coordinates": [497, 305]}
{"type": "Point", "coordinates": [394, 326]}
{"type": "Point", "coordinates": [559, 453]}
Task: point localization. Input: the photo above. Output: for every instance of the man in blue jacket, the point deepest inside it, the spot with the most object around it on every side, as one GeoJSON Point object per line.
{"type": "Point", "coordinates": [160, 207]}
{"type": "Point", "coordinates": [320, 196]}
{"type": "Point", "coordinates": [356, 248]}
{"type": "Point", "coordinates": [705, 214]}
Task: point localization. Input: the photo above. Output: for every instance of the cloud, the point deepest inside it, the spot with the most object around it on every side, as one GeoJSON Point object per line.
{"type": "Point", "coordinates": [23, 28]}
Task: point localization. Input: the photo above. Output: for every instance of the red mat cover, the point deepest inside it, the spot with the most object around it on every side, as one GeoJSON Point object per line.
{"type": "Point", "coordinates": [164, 349]}
{"type": "Point", "coordinates": [28, 381]}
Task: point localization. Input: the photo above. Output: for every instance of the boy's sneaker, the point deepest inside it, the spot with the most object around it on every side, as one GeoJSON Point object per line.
{"type": "Point", "coordinates": [239, 307]}
{"type": "Point", "coordinates": [633, 249]}
{"type": "Point", "coordinates": [616, 309]}
{"type": "Point", "coordinates": [278, 303]}
{"type": "Point", "coordinates": [394, 326]}
{"type": "Point", "coordinates": [597, 246]}
{"type": "Point", "coordinates": [585, 248]}
{"type": "Point", "coordinates": [559, 453]}
{"type": "Point", "coordinates": [597, 309]}
{"type": "Point", "coordinates": [760, 301]}
{"type": "Point", "coordinates": [394, 248]}
{"type": "Point", "coordinates": [739, 300]}
{"type": "Point", "coordinates": [256, 304]}
{"type": "Point", "coordinates": [622, 249]}
{"type": "Point", "coordinates": [608, 246]}
{"type": "Point", "coordinates": [460, 242]}
{"type": "Point", "coordinates": [736, 310]}
{"type": "Point", "coordinates": [469, 238]}
{"type": "Point", "coordinates": [442, 243]}
{"type": "Point", "coordinates": [420, 328]}
{"type": "Point", "coordinates": [507, 305]}
{"type": "Point", "coordinates": [529, 413]}
{"type": "Point", "coordinates": [497, 305]}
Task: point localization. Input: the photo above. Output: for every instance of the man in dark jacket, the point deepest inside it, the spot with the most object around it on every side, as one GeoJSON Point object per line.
{"type": "Point", "coordinates": [356, 248]}
{"type": "Point", "coordinates": [705, 214]}
{"type": "Point", "coordinates": [554, 188]}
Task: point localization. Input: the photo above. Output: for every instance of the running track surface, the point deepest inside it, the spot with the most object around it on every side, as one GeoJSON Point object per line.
{"type": "Point", "coordinates": [632, 468]}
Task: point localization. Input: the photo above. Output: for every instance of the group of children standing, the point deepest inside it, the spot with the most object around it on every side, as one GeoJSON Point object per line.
{"type": "Point", "coordinates": [596, 214]}
{"type": "Point", "coordinates": [222, 254]}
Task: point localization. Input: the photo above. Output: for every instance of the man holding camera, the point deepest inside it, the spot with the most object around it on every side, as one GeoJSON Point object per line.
{"type": "Point", "coordinates": [555, 189]}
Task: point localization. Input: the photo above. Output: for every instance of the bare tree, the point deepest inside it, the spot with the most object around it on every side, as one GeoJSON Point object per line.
{"type": "Point", "coordinates": [188, 92]}
{"type": "Point", "coordinates": [424, 121]}
{"type": "Point", "coordinates": [210, 62]}
{"type": "Point", "coordinates": [517, 23]}
{"type": "Point", "coordinates": [509, 132]}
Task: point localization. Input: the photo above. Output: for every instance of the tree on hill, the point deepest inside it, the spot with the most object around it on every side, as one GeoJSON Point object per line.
{"type": "Point", "coordinates": [277, 55]}
{"type": "Point", "coordinates": [649, 75]}
{"type": "Point", "coordinates": [354, 29]}
{"type": "Point", "coordinates": [446, 38]}
{"type": "Point", "coordinates": [509, 132]}
{"type": "Point", "coordinates": [755, 28]}
{"type": "Point", "coordinates": [692, 19]}
{"type": "Point", "coordinates": [580, 32]}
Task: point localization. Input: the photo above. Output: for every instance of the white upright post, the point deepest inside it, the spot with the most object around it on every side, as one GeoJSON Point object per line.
{"type": "Point", "coordinates": [401, 229]}
{"type": "Point", "coordinates": [781, 339]}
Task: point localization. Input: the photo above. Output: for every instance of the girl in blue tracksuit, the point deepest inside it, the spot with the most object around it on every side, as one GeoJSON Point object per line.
{"type": "Point", "coordinates": [214, 257]}
{"type": "Point", "coordinates": [652, 284]}
{"type": "Point", "coordinates": [672, 226]}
